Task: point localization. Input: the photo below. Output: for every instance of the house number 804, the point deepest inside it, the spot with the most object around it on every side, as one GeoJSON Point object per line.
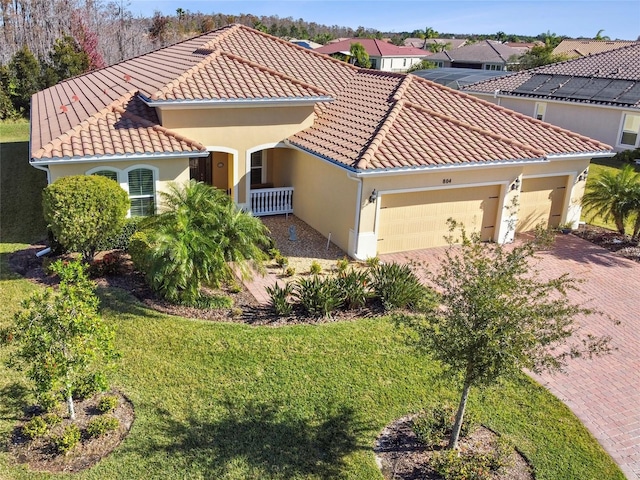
{"type": "Point", "coordinates": [446, 180]}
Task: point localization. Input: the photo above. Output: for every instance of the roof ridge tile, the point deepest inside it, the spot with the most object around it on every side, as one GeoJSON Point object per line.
{"type": "Point", "coordinates": [378, 138]}
{"type": "Point", "coordinates": [186, 75]}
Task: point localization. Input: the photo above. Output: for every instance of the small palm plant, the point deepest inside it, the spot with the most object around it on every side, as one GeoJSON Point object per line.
{"type": "Point", "coordinates": [196, 241]}
{"type": "Point", "coordinates": [615, 196]}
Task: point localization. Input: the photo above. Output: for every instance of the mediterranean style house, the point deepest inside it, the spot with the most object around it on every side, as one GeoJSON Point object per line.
{"type": "Point", "coordinates": [596, 95]}
{"type": "Point", "coordinates": [377, 161]}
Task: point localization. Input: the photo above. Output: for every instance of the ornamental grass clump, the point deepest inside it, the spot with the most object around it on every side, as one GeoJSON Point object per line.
{"type": "Point", "coordinates": [318, 296]}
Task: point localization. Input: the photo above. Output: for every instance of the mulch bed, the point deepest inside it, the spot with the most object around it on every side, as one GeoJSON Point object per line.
{"type": "Point", "coordinates": [40, 455]}
{"type": "Point", "coordinates": [615, 242]}
{"type": "Point", "coordinates": [400, 456]}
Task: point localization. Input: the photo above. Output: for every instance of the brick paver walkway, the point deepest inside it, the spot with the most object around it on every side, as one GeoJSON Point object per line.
{"type": "Point", "coordinates": [604, 392]}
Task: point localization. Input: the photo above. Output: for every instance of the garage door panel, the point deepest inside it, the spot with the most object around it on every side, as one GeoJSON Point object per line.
{"type": "Point", "coordinates": [419, 219]}
{"type": "Point", "coordinates": [541, 201]}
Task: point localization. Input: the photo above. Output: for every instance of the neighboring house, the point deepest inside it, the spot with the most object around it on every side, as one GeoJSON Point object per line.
{"type": "Point", "coordinates": [597, 95]}
{"type": "Point", "coordinates": [581, 48]}
{"type": "Point", "coordinates": [383, 55]}
{"type": "Point", "coordinates": [377, 161]}
{"type": "Point", "coordinates": [306, 43]}
{"type": "Point", "coordinates": [485, 55]}
{"type": "Point", "coordinates": [448, 43]}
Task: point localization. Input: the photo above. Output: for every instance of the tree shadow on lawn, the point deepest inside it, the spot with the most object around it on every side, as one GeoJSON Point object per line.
{"type": "Point", "coordinates": [15, 398]}
{"type": "Point", "coordinates": [266, 438]}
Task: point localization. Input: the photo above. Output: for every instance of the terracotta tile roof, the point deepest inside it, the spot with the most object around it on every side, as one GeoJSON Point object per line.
{"type": "Point", "coordinates": [373, 47]}
{"type": "Point", "coordinates": [580, 48]}
{"type": "Point", "coordinates": [621, 66]}
{"type": "Point", "coordinates": [376, 120]}
{"type": "Point", "coordinates": [126, 127]}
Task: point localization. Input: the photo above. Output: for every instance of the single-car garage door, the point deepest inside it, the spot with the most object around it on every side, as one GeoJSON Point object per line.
{"type": "Point", "coordinates": [410, 221]}
{"type": "Point", "coordinates": [541, 201]}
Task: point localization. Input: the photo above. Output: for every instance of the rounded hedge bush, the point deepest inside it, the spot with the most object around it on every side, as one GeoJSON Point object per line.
{"type": "Point", "coordinates": [83, 210]}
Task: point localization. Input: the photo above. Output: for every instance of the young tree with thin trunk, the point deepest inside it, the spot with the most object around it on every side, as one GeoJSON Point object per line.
{"type": "Point", "coordinates": [497, 316]}
{"type": "Point", "coordinates": [61, 339]}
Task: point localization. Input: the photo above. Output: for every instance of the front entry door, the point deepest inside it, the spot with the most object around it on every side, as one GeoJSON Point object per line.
{"type": "Point", "coordinates": [200, 169]}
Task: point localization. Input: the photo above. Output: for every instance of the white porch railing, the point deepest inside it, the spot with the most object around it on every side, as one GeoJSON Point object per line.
{"type": "Point", "coordinates": [272, 201]}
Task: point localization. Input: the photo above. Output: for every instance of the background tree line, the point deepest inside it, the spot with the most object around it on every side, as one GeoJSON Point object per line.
{"type": "Point", "coordinates": [45, 41]}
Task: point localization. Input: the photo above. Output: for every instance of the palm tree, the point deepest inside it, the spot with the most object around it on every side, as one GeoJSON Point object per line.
{"type": "Point", "coordinates": [615, 195]}
{"type": "Point", "coordinates": [192, 241]}
{"type": "Point", "coordinates": [599, 36]}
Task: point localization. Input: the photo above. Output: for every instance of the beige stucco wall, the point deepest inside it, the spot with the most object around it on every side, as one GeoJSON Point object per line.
{"type": "Point", "coordinates": [168, 170]}
{"type": "Point", "coordinates": [239, 129]}
{"type": "Point", "coordinates": [598, 122]}
{"type": "Point", "coordinates": [324, 197]}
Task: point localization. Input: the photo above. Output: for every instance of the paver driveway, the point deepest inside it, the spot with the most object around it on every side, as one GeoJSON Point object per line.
{"type": "Point", "coordinates": [604, 392]}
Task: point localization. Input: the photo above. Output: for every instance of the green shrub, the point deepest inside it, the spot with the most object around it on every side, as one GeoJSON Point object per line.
{"type": "Point", "coordinates": [207, 302]}
{"type": "Point", "coordinates": [318, 296]}
{"type": "Point", "coordinates": [90, 385]}
{"type": "Point", "coordinates": [397, 286]}
{"type": "Point", "coordinates": [290, 272]}
{"type": "Point", "coordinates": [109, 264]}
{"type": "Point", "coordinates": [52, 419]}
{"type": "Point", "coordinates": [544, 237]}
{"type": "Point", "coordinates": [107, 403]}
{"type": "Point", "coordinates": [67, 440]}
{"type": "Point", "coordinates": [281, 261]}
{"type": "Point", "coordinates": [455, 465]}
{"type": "Point", "coordinates": [138, 250]}
{"type": "Point", "coordinates": [433, 425]}
{"type": "Point", "coordinates": [279, 299]}
{"type": "Point", "coordinates": [315, 268]}
{"type": "Point", "coordinates": [372, 262]}
{"type": "Point", "coordinates": [629, 156]}
{"type": "Point", "coordinates": [82, 210]}
{"type": "Point", "coordinates": [121, 239]}
{"type": "Point", "coordinates": [273, 253]}
{"type": "Point", "coordinates": [355, 288]}
{"type": "Point", "coordinates": [34, 428]}
{"type": "Point", "coordinates": [101, 425]}
{"type": "Point", "coordinates": [200, 239]}
{"type": "Point", "coordinates": [342, 264]}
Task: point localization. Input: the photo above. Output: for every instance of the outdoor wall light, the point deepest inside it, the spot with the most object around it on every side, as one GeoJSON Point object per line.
{"type": "Point", "coordinates": [374, 196]}
{"type": "Point", "coordinates": [583, 176]}
{"type": "Point", "coordinates": [516, 184]}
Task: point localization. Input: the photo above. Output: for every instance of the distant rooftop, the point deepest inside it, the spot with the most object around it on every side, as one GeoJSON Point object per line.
{"type": "Point", "coordinates": [458, 77]}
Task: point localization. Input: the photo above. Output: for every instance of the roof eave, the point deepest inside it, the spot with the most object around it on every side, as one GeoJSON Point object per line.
{"type": "Point", "coordinates": [116, 158]}
{"type": "Point", "coordinates": [235, 102]}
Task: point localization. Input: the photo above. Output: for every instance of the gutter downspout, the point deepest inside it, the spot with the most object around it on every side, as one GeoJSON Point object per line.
{"type": "Point", "coordinates": [45, 169]}
{"type": "Point", "coordinates": [351, 176]}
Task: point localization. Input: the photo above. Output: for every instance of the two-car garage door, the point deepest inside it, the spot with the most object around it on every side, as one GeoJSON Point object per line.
{"type": "Point", "coordinates": [410, 221]}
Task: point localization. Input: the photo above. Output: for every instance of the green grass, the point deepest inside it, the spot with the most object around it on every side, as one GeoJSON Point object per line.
{"type": "Point", "coordinates": [20, 195]}
{"type": "Point", "coordinates": [229, 401]}
{"type": "Point", "coordinates": [596, 168]}
{"type": "Point", "coordinates": [17, 131]}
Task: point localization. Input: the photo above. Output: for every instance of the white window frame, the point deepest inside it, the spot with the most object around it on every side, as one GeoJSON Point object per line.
{"type": "Point", "coordinates": [263, 166]}
{"type": "Point", "coordinates": [123, 180]}
{"type": "Point", "coordinates": [540, 106]}
{"type": "Point", "coordinates": [622, 131]}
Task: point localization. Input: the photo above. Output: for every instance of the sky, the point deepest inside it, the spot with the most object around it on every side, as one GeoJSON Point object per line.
{"type": "Point", "coordinates": [620, 19]}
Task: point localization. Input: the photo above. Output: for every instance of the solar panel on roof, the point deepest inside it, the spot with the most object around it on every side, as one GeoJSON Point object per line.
{"type": "Point", "coordinates": [554, 83]}
{"type": "Point", "coordinates": [570, 87]}
{"type": "Point", "coordinates": [533, 83]}
{"type": "Point", "coordinates": [631, 96]}
{"type": "Point", "coordinates": [592, 88]}
{"type": "Point", "coordinates": [612, 91]}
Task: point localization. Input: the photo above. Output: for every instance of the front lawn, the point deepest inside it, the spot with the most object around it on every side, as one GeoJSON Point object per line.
{"type": "Point", "coordinates": [229, 401]}
{"type": "Point", "coordinates": [15, 131]}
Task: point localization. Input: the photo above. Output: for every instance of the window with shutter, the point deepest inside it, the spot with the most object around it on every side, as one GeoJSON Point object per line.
{"type": "Point", "coordinates": [141, 192]}
{"type": "Point", "coordinates": [107, 173]}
